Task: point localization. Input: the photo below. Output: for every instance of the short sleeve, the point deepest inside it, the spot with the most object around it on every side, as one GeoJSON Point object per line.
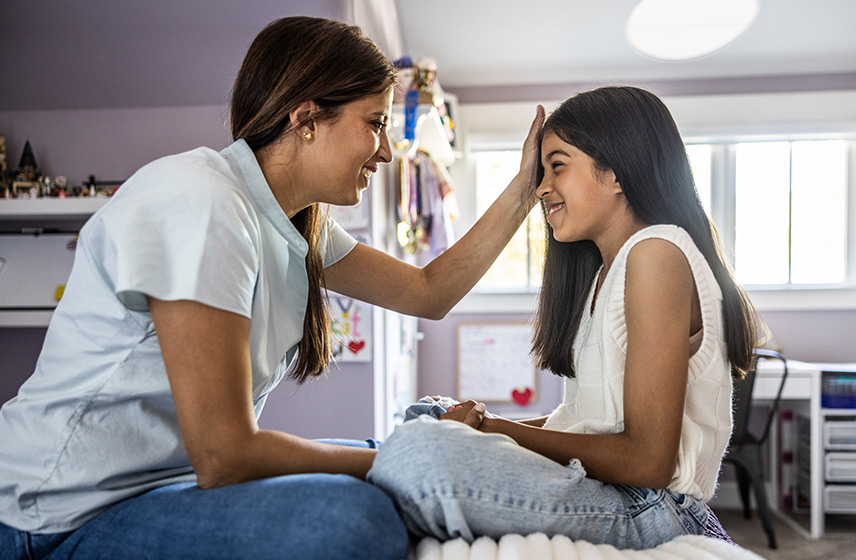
{"type": "Point", "coordinates": [181, 230]}
{"type": "Point", "coordinates": [336, 242]}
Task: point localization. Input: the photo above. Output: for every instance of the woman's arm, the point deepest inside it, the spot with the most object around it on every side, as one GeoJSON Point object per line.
{"type": "Point", "coordinates": [207, 358]}
{"type": "Point", "coordinates": [659, 296]}
{"type": "Point", "coordinates": [375, 277]}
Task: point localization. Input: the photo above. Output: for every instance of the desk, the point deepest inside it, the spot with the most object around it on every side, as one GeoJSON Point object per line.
{"type": "Point", "coordinates": [802, 392]}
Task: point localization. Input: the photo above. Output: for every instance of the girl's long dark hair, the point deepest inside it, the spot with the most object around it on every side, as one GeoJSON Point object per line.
{"type": "Point", "coordinates": [630, 131]}
{"type": "Point", "coordinates": [291, 61]}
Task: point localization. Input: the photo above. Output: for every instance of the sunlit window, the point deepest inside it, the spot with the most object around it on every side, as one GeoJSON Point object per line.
{"type": "Point", "coordinates": [790, 212]}
{"type": "Point", "coordinates": [519, 266]}
{"type": "Point", "coordinates": [699, 156]}
{"type": "Point", "coordinates": [785, 212]}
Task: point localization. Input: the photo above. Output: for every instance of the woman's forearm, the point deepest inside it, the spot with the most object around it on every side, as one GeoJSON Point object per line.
{"type": "Point", "coordinates": [269, 453]}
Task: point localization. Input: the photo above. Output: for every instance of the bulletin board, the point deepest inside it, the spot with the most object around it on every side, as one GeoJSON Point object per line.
{"type": "Point", "coordinates": [494, 362]}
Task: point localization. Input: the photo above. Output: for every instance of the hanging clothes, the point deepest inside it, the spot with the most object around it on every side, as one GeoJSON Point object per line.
{"type": "Point", "coordinates": [425, 205]}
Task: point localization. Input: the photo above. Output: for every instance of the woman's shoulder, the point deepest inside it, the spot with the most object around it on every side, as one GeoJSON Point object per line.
{"type": "Point", "coordinates": [198, 167]}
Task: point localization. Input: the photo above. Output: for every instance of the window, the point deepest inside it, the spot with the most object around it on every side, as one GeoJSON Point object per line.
{"type": "Point", "coordinates": [519, 266]}
{"type": "Point", "coordinates": [790, 212]}
{"type": "Point", "coordinates": [781, 208]}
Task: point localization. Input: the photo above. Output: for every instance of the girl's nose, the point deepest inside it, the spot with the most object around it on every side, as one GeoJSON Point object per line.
{"type": "Point", "coordinates": [543, 189]}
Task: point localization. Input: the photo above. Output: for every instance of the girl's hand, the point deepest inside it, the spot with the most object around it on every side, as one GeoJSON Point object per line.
{"type": "Point", "coordinates": [470, 413]}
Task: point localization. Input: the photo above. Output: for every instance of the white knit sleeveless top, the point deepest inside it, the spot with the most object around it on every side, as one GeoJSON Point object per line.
{"type": "Point", "coordinates": [593, 400]}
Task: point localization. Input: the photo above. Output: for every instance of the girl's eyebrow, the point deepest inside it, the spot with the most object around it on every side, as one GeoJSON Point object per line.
{"type": "Point", "coordinates": [557, 152]}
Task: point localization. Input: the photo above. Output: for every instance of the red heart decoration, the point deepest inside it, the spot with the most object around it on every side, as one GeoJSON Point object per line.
{"type": "Point", "coordinates": [355, 346]}
{"type": "Point", "coordinates": [522, 397]}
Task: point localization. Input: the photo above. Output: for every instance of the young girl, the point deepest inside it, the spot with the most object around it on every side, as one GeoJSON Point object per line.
{"type": "Point", "coordinates": [194, 291]}
{"type": "Point", "coordinates": [639, 312]}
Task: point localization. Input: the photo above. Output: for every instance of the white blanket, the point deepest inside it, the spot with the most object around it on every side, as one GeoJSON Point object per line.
{"type": "Point", "coordinates": [540, 547]}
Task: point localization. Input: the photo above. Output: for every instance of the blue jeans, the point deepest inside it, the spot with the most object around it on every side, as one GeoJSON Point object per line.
{"type": "Point", "coordinates": [451, 481]}
{"type": "Point", "coordinates": [296, 516]}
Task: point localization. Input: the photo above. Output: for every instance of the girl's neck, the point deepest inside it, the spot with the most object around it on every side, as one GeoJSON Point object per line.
{"type": "Point", "coordinates": [614, 239]}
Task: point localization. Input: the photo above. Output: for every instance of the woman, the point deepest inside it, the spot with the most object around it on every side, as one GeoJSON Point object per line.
{"type": "Point", "coordinates": [639, 312]}
{"type": "Point", "coordinates": [192, 292]}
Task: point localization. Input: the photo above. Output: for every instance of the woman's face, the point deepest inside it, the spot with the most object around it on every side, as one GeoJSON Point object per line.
{"type": "Point", "coordinates": [578, 198]}
{"type": "Point", "coordinates": [347, 150]}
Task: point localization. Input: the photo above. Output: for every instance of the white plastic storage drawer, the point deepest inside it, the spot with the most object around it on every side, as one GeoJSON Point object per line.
{"type": "Point", "coordinates": [839, 434]}
{"type": "Point", "coordinates": [840, 467]}
{"type": "Point", "coordinates": [841, 498]}
{"type": "Point", "coordinates": [34, 269]}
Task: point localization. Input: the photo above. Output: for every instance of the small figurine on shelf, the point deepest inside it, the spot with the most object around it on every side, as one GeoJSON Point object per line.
{"type": "Point", "coordinates": [26, 183]}
{"type": "Point", "coordinates": [60, 186]}
{"type": "Point", "coordinates": [4, 180]}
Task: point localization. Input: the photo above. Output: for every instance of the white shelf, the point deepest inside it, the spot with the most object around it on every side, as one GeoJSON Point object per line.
{"type": "Point", "coordinates": [18, 319]}
{"type": "Point", "coordinates": [49, 208]}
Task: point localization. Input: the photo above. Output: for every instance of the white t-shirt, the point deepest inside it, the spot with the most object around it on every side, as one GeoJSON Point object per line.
{"type": "Point", "coordinates": [96, 422]}
{"type": "Point", "coordinates": [594, 399]}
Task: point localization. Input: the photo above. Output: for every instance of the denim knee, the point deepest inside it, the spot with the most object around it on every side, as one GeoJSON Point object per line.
{"type": "Point", "coordinates": [368, 523]}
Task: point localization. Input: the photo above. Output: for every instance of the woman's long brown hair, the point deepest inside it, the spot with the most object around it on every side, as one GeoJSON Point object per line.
{"type": "Point", "coordinates": [291, 61]}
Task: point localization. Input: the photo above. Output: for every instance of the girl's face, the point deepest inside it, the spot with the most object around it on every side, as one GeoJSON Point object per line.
{"type": "Point", "coordinates": [348, 150]}
{"type": "Point", "coordinates": [580, 200]}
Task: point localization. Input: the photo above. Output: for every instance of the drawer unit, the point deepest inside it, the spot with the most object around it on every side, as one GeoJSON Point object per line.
{"type": "Point", "coordinates": [34, 269]}
{"type": "Point", "coordinates": [840, 467]}
{"type": "Point", "coordinates": [840, 498]}
{"type": "Point", "coordinates": [839, 433]}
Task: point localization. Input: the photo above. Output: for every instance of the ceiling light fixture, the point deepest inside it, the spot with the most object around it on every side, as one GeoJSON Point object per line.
{"type": "Point", "coordinates": [675, 30]}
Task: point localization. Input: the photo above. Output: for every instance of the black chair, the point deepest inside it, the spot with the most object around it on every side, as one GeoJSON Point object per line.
{"type": "Point", "coordinates": [745, 448]}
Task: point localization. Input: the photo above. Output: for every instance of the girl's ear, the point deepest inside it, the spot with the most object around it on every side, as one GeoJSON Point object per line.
{"type": "Point", "coordinates": [612, 182]}
{"type": "Point", "coordinates": [302, 115]}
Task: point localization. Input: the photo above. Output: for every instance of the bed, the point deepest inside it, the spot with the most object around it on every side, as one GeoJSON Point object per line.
{"type": "Point", "coordinates": [539, 546]}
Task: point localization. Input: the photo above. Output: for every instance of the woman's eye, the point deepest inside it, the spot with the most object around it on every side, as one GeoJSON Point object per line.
{"type": "Point", "coordinates": [379, 125]}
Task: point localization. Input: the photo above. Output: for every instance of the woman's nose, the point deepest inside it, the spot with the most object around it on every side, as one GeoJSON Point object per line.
{"type": "Point", "coordinates": [384, 152]}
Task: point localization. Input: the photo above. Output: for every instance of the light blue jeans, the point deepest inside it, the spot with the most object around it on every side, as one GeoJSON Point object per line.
{"type": "Point", "coordinates": [449, 480]}
{"type": "Point", "coordinates": [303, 516]}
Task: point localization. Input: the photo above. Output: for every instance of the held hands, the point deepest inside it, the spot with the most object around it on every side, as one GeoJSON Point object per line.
{"type": "Point", "coordinates": [470, 413]}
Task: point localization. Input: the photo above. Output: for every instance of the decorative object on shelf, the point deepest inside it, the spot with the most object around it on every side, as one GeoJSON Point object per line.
{"type": "Point", "coordinates": [26, 182]}
{"type": "Point", "coordinates": [4, 181]}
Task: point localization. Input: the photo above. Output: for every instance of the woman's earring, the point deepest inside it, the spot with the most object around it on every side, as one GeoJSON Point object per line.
{"type": "Point", "coordinates": [308, 136]}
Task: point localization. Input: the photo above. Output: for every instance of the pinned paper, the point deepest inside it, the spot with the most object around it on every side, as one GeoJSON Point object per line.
{"type": "Point", "coordinates": [494, 361]}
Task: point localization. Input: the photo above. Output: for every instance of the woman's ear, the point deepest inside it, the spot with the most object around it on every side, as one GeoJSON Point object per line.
{"type": "Point", "coordinates": [302, 117]}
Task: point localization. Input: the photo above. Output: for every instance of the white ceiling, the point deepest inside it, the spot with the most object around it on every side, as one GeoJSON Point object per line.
{"type": "Point", "coordinates": [79, 54]}
{"type": "Point", "coordinates": [501, 42]}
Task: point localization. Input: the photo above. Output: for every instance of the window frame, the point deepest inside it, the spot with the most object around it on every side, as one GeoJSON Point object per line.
{"type": "Point", "coordinates": [723, 196]}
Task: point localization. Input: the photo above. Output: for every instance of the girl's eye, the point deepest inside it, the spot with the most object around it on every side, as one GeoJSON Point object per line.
{"type": "Point", "coordinates": [379, 125]}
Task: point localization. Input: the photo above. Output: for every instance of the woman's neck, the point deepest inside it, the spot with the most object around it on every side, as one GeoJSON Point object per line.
{"type": "Point", "coordinates": [282, 178]}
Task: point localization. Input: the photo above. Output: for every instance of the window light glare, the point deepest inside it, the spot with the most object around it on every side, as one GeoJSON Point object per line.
{"type": "Point", "coordinates": [673, 30]}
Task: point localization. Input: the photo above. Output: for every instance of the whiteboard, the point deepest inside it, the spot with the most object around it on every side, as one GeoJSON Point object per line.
{"type": "Point", "coordinates": [494, 361]}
